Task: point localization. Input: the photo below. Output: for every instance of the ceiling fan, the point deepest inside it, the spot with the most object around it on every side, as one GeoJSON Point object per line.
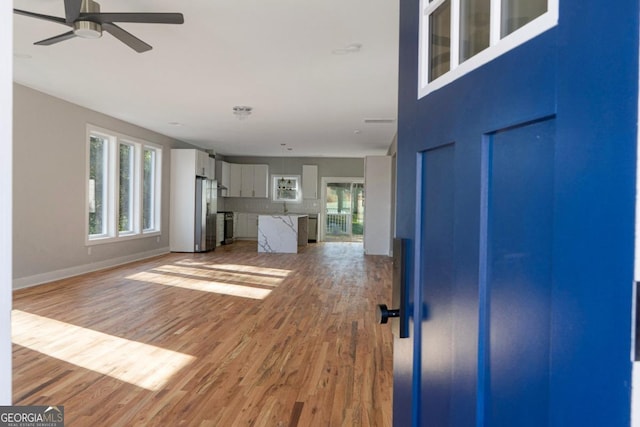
{"type": "Point", "coordinates": [87, 21]}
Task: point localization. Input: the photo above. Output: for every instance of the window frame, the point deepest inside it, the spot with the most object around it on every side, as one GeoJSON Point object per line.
{"type": "Point", "coordinates": [134, 187]}
{"type": "Point", "coordinates": [274, 189]}
{"type": "Point", "coordinates": [114, 141]}
{"type": "Point", "coordinates": [497, 45]}
{"type": "Point", "coordinates": [108, 193]}
{"type": "Point", "coordinates": [157, 190]}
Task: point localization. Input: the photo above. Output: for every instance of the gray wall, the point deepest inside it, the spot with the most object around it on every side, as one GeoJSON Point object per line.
{"type": "Point", "coordinates": [49, 174]}
{"type": "Point", "coordinates": [327, 167]}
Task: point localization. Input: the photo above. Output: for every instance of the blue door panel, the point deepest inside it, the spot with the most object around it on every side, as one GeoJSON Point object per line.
{"type": "Point", "coordinates": [518, 284]}
{"type": "Point", "coordinates": [515, 88]}
{"type": "Point", "coordinates": [437, 293]}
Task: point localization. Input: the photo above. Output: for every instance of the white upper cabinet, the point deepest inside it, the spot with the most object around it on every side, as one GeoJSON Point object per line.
{"type": "Point", "coordinates": [198, 161]}
{"type": "Point", "coordinates": [205, 165]}
{"type": "Point", "coordinates": [261, 181]}
{"type": "Point", "coordinates": [235, 180]}
{"type": "Point", "coordinates": [223, 175]}
{"type": "Point", "coordinates": [246, 185]}
{"type": "Point", "coordinates": [248, 181]}
{"type": "Point", "coordinates": [309, 181]}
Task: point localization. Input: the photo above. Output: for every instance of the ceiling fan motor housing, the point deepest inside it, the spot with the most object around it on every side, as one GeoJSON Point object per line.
{"type": "Point", "coordinates": [88, 29]}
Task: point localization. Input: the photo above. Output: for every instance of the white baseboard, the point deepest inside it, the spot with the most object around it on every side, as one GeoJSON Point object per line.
{"type": "Point", "coordinates": [39, 279]}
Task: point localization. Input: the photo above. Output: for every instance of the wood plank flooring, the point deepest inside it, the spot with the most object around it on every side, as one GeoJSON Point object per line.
{"type": "Point", "coordinates": [228, 338]}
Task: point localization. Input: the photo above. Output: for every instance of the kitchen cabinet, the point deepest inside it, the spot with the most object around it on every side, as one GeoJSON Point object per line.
{"type": "Point", "coordinates": [196, 161]}
{"type": "Point", "coordinates": [246, 225]}
{"type": "Point", "coordinates": [192, 204]}
{"type": "Point", "coordinates": [223, 176]}
{"type": "Point", "coordinates": [235, 180]}
{"type": "Point", "coordinates": [246, 184]}
{"type": "Point", "coordinates": [205, 165]}
{"type": "Point", "coordinates": [248, 181]}
{"type": "Point", "coordinates": [309, 182]}
{"type": "Point", "coordinates": [252, 225]}
{"type": "Point", "coordinates": [260, 181]}
{"type": "Point", "coordinates": [219, 228]}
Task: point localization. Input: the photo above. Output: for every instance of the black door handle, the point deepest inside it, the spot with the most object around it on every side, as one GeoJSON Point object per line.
{"type": "Point", "coordinates": [384, 313]}
{"type": "Point", "coordinates": [400, 329]}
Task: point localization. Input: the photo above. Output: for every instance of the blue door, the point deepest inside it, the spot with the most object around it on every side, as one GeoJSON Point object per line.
{"type": "Point", "coordinates": [516, 193]}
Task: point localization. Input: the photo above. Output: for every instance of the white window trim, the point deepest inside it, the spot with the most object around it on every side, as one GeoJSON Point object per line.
{"type": "Point", "coordinates": [113, 235]}
{"type": "Point", "coordinates": [110, 193]}
{"type": "Point", "coordinates": [274, 192]}
{"type": "Point", "coordinates": [497, 46]}
{"type": "Point", "coordinates": [157, 206]}
{"type": "Point", "coordinates": [136, 196]}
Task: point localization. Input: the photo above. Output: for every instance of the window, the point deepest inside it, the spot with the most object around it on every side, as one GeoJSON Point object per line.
{"type": "Point", "coordinates": [123, 191]}
{"type": "Point", "coordinates": [457, 36]}
{"type": "Point", "coordinates": [98, 186]}
{"type": "Point", "coordinates": [126, 201]}
{"type": "Point", "coordinates": [150, 192]}
{"type": "Point", "coordinates": [286, 188]}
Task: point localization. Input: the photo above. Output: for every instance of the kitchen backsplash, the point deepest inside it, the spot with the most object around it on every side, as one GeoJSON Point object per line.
{"type": "Point", "coordinates": [251, 205]}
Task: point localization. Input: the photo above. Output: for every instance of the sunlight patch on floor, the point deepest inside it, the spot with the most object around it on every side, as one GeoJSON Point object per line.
{"type": "Point", "coordinates": [238, 268]}
{"type": "Point", "coordinates": [133, 362]}
{"type": "Point", "coordinates": [215, 273]}
{"type": "Point", "coordinates": [202, 285]}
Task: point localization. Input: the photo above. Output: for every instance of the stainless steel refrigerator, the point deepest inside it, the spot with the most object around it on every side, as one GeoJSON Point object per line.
{"type": "Point", "coordinates": [205, 214]}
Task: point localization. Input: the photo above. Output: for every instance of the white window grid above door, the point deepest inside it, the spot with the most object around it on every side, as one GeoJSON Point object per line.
{"type": "Point", "coordinates": [498, 44]}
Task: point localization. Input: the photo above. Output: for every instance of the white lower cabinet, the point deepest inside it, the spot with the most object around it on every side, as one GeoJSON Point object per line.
{"type": "Point", "coordinates": [219, 228]}
{"type": "Point", "coordinates": [252, 226]}
{"type": "Point", "coordinates": [246, 225]}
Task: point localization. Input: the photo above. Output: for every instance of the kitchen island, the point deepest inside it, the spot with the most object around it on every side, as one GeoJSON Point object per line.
{"type": "Point", "coordinates": [282, 233]}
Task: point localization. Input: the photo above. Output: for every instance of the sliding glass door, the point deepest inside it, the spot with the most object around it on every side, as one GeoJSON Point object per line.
{"type": "Point", "coordinates": [344, 209]}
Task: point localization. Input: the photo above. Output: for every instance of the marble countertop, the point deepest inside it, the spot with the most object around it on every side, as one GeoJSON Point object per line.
{"type": "Point", "coordinates": [282, 233]}
{"type": "Point", "coordinates": [283, 214]}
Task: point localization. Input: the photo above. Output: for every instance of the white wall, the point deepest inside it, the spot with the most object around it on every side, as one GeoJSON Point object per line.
{"type": "Point", "coordinates": [6, 58]}
{"type": "Point", "coordinates": [49, 190]}
{"type": "Point", "coordinates": [377, 208]}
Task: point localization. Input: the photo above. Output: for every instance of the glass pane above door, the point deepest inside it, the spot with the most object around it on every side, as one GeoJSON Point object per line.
{"type": "Point", "coordinates": [518, 13]}
{"type": "Point", "coordinates": [440, 41]}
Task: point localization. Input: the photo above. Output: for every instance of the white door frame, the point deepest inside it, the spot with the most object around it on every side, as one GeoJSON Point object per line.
{"type": "Point", "coordinates": [6, 145]}
{"type": "Point", "coordinates": [322, 217]}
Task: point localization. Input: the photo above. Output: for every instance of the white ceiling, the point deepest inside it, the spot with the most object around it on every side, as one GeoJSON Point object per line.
{"type": "Point", "coordinates": [273, 55]}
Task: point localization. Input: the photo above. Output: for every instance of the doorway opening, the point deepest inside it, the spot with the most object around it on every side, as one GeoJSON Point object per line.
{"type": "Point", "coordinates": [343, 213]}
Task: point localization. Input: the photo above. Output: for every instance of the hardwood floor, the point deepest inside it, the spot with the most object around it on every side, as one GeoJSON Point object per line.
{"type": "Point", "coordinates": [228, 338]}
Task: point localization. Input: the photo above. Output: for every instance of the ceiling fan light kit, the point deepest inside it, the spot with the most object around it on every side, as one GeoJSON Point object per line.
{"type": "Point", "coordinates": [86, 21]}
{"type": "Point", "coordinates": [242, 112]}
{"type": "Point", "coordinates": [87, 29]}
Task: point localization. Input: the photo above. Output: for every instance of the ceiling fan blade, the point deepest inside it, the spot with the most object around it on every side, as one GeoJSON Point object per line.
{"type": "Point", "coordinates": [56, 39]}
{"type": "Point", "coordinates": [72, 10]}
{"type": "Point", "coordinates": [143, 18]}
{"type": "Point", "coordinates": [125, 37]}
{"type": "Point", "coordinates": [40, 16]}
